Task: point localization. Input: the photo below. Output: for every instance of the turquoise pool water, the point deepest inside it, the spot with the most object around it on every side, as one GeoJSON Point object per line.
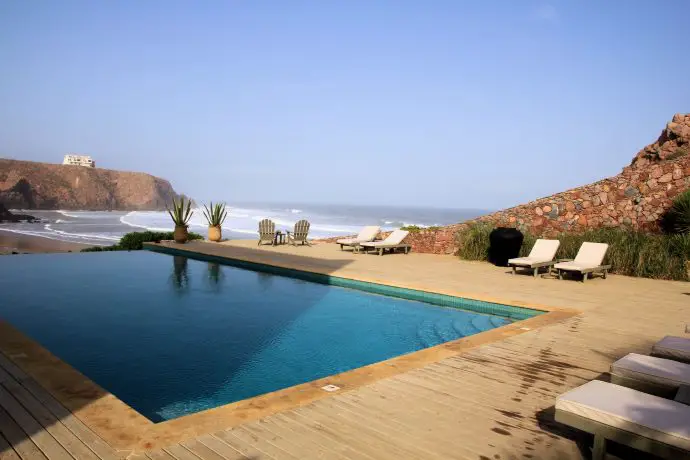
{"type": "Point", "coordinates": [171, 336]}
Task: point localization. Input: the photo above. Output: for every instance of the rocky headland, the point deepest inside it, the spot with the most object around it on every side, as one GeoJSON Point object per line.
{"type": "Point", "coordinates": [32, 185]}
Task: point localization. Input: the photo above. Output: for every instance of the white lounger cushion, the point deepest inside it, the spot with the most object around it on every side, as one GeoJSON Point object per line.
{"type": "Point", "coordinates": [590, 255]}
{"type": "Point", "coordinates": [542, 251]}
{"type": "Point", "coordinates": [650, 416]}
{"type": "Point", "coordinates": [394, 239]}
{"type": "Point", "coordinates": [367, 234]}
{"type": "Point", "coordinates": [673, 348]}
{"type": "Point", "coordinates": [650, 369]}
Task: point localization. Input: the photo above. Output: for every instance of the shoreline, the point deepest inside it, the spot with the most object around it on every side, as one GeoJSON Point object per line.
{"type": "Point", "coordinates": [16, 242]}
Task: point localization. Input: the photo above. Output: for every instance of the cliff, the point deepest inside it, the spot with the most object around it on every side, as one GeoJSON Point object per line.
{"type": "Point", "coordinates": [636, 198]}
{"type": "Point", "coordinates": [31, 185]}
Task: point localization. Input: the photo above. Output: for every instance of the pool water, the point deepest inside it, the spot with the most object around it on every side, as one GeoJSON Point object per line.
{"type": "Point", "coordinates": [172, 336]}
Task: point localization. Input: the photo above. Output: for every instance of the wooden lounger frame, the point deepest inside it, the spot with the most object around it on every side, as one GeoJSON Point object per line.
{"type": "Point", "coordinates": [380, 249]}
{"type": "Point", "coordinates": [535, 266]}
{"type": "Point", "coordinates": [604, 269]}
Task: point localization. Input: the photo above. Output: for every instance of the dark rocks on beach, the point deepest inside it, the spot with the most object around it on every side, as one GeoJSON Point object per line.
{"type": "Point", "coordinates": [7, 216]}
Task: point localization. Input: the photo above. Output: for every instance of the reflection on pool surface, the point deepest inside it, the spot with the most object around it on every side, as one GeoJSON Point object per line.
{"type": "Point", "coordinates": [171, 336]}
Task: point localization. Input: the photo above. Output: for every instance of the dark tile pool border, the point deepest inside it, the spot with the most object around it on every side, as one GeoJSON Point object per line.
{"type": "Point", "coordinates": [513, 312]}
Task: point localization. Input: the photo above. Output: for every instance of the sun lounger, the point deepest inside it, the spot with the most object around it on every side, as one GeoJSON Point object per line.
{"type": "Point", "coordinates": [366, 235]}
{"type": "Point", "coordinates": [541, 255]}
{"type": "Point", "coordinates": [658, 376]}
{"type": "Point", "coordinates": [299, 235]}
{"type": "Point", "coordinates": [267, 232]}
{"type": "Point", "coordinates": [614, 413]}
{"type": "Point", "coordinates": [675, 348]}
{"type": "Point", "coordinates": [588, 260]}
{"type": "Point", "coordinates": [392, 242]}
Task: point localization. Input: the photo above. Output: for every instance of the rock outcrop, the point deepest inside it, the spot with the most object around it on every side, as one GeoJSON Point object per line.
{"type": "Point", "coordinates": [31, 185]}
{"type": "Point", "coordinates": [636, 198]}
{"type": "Point", "coordinates": [7, 216]}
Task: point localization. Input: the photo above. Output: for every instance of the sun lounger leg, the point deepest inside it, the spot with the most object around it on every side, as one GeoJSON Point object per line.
{"type": "Point", "coordinates": [536, 271]}
{"type": "Point", "coordinates": [380, 251]}
{"type": "Point", "coordinates": [560, 274]}
{"type": "Point", "coordinates": [514, 269]}
{"type": "Point", "coordinates": [599, 450]}
{"type": "Point", "coordinates": [584, 277]}
{"type": "Point", "coordinates": [407, 249]}
{"type": "Point", "coordinates": [606, 272]}
{"type": "Point", "coordinates": [341, 247]}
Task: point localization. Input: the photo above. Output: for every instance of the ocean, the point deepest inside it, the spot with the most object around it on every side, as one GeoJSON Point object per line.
{"type": "Point", "coordinates": [101, 228]}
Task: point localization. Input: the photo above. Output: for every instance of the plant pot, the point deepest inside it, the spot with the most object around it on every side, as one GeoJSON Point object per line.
{"type": "Point", "coordinates": [215, 233]}
{"type": "Point", "coordinates": [181, 235]}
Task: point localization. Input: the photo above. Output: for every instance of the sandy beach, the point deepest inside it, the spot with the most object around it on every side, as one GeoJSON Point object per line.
{"type": "Point", "coordinates": [15, 242]}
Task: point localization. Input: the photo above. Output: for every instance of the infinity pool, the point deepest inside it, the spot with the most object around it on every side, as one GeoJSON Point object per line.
{"type": "Point", "coordinates": [172, 336]}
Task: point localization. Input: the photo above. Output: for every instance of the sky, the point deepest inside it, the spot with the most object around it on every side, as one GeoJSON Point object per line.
{"type": "Point", "coordinates": [460, 104]}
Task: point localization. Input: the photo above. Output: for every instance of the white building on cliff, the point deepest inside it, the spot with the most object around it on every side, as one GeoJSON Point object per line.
{"type": "Point", "coordinates": [79, 160]}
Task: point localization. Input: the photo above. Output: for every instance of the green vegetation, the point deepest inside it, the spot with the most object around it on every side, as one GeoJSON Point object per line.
{"type": "Point", "coordinates": [181, 211]}
{"type": "Point", "coordinates": [134, 241]}
{"type": "Point", "coordinates": [631, 253]}
{"type": "Point", "coordinates": [215, 214]}
{"type": "Point", "coordinates": [417, 228]}
{"type": "Point", "coordinates": [677, 218]}
{"type": "Point", "coordinates": [680, 152]}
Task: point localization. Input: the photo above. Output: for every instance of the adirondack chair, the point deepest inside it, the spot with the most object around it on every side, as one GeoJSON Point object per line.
{"type": "Point", "coordinates": [267, 232]}
{"type": "Point", "coordinates": [300, 233]}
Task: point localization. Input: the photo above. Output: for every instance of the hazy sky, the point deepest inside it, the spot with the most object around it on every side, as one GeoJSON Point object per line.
{"type": "Point", "coordinates": [447, 103]}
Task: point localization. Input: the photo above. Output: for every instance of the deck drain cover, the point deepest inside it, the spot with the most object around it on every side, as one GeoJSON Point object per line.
{"type": "Point", "coordinates": [330, 388]}
{"type": "Point", "coordinates": [525, 329]}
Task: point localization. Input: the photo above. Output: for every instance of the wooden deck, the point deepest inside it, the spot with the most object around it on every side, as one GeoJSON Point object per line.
{"type": "Point", "coordinates": [491, 402]}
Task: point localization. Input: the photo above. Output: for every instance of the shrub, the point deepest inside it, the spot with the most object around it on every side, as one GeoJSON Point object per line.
{"type": "Point", "coordinates": [134, 241]}
{"type": "Point", "coordinates": [417, 228]}
{"type": "Point", "coordinates": [631, 253]}
{"type": "Point", "coordinates": [677, 218]}
{"type": "Point", "coordinates": [474, 241]}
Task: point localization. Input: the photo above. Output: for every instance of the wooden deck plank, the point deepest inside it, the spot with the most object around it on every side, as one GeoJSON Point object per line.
{"type": "Point", "coordinates": [240, 444]}
{"type": "Point", "coordinates": [22, 444]}
{"type": "Point", "coordinates": [249, 438]}
{"type": "Point", "coordinates": [6, 451]}
{"type": "Point", "coordinates": [221, 448]}
{"type": "Point", "coordinates": [179, 452]}
{"type": "Point", "coordinates": [50, 423]}
{"type": "Point", "coordinates": [201, 450]}
{"type": "Point", "coordinates": [44, 440]}
{"type": "Point", "coordinates": [304, 431]}
{"type": "Point", "coordinates": [159, 455]}
{"type": "Point", "coordinates": [88, 437]}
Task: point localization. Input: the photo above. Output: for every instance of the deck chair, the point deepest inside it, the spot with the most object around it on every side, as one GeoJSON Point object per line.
{"type": "Point", "coordinates": [393, 242]}
{"type": "Point", "coordinates": [267, 232]}
{"type": "Point", "coordinates": [614, 413]}
{"type": "Point", "coordinates": [588, 260]}
{"type": "Point", "coordinates": [541, 255]}
{"type": "Point", "coordinates": [675, 348]}
{"type": "Point", "coordinates": [657, 376]}
{"type": "Point", "coordinates": [299, 235]}
{"type": "Point", "coordinates": [366, 235]}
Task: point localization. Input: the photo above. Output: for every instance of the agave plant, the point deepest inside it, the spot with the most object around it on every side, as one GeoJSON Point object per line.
{"type": "Point", "coordinates": [215, 214]}
{"type": "Point", "coordinates": [181, 211]}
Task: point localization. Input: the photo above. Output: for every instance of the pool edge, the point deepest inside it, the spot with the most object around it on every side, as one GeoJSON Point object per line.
{"type": "Point", "coordinates": [124, 428]}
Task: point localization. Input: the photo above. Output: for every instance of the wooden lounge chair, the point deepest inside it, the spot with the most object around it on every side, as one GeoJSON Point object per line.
{"type": "Point", "coordinates": [299, 235]}
{"type": "Point", "coordinates": [366, 235]}
{"type": "Point", "coordinates": [657, 376]}
{"type": "Point", "coordinates": [541, 255]}
{"type": "Point", "coordinates": [614, 413]}
{"type": "Point", "coordinates": [267, 232]}
{"type": "Point", "coordinates": [675, 348]}
{"type": "Point", "coordinates": [393, 242]}
{"type": "Point", "coordinates": [588, 260]}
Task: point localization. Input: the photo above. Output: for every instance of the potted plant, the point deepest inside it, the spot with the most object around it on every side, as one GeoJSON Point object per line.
{"type": "Point", "coordinates": [215, 216]}
{"type": "Point", "coordinates": [180, 213]}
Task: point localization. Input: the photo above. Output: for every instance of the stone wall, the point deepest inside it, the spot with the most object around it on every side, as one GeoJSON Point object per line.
{"type": "Point", "coordinates": [635, 198]}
